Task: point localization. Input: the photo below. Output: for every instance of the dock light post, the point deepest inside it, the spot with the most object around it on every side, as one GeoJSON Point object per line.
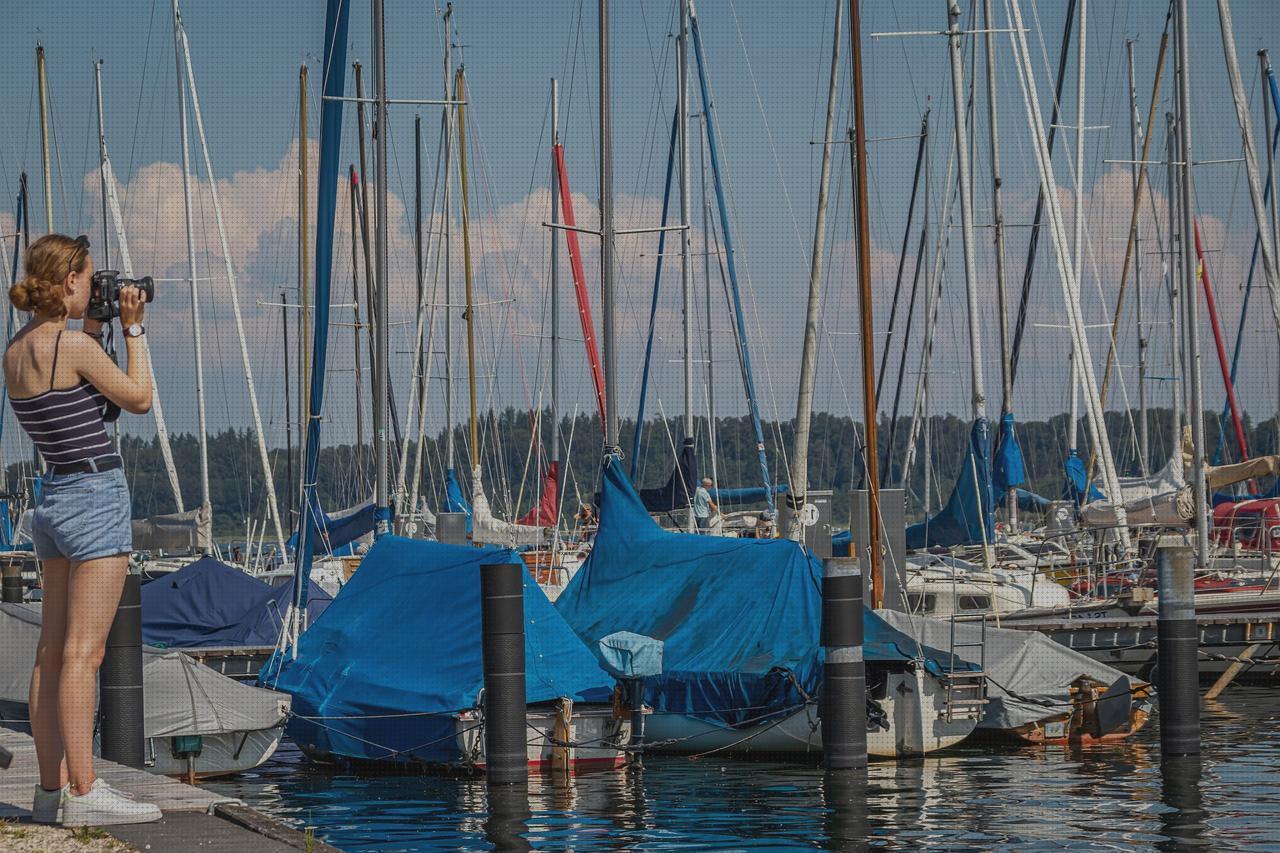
{"type": "Point", "coordinates": [1177, 640]}
{"type": "Point", "coordinates": [502, 629]}
{"type": "Point", "coordinates": [843, 703]}
{"type": "Point", "coordinates": [120, 680]}
{"type": "Point", "coordinates": [11, 591]}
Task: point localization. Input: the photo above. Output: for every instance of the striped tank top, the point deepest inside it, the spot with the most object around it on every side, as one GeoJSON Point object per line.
{"type": "Point", "coordinates": [65, 424]}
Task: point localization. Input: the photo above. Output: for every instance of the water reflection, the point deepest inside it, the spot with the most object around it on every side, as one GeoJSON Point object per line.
{"type": "Point", "coordinates": [1184, 816]}
{"type": "Point", "coordinates": [975, 797]}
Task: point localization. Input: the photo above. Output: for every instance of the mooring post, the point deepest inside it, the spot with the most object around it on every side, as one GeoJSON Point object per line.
{"type": "Point", "coordinates": [11, 591]}
{"type": "Point", "coordinates": [451, 528]}
{"type": "Point", "coordinates": [1177, 641]}
{"type": "Point", "coordinates": [502, 628]}
{"type": "Point", "coordinates": [120, 680]}
{"type": "Point", "coordinates": [843, 702]}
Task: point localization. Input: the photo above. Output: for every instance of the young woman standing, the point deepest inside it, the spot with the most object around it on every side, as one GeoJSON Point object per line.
{"type": "Point", "coordinates": [64, 388]}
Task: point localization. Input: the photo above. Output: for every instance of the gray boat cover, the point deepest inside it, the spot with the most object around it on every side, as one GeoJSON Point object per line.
{"type": "Point", "coordinates": [1029, 676]}
{"type": "Point", "coordinates": [182, 697]}
{"type": "Point", "coordinates": [176, 533]}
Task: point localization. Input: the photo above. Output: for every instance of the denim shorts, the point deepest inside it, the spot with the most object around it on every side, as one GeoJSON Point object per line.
{"type": "Point", "coordinates": [83, 516]}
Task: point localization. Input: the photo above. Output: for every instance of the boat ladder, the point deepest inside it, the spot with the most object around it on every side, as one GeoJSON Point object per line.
{"type": "Point", "coordinates": [966, 689]}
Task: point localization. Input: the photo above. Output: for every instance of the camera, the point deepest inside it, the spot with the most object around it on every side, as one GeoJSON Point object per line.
{"type": "Point", "coordinates": [104, 293]}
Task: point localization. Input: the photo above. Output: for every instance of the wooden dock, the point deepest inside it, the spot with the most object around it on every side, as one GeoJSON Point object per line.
{"type": "Point", "coordinates": [1128, 643]}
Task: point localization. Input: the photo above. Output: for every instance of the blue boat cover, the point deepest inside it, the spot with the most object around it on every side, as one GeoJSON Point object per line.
{"type": "Point", "coordinates": [841, 543]}
{"type": "Point", "coordinates": [1076, 479]}
{"type": "Point", "coordinates": [208, 603]}
{"type": "Point", "coordinates": [969, 515]}
{"type": "Point", "coordinates": [381, 674]}
{"type": "Point", "coordinates": [1227, 497]}
{"type": "Point", "coordinates": [1008, 469]}
{"type": "Point", "coordinates": [453, 499]}
{"type": "Point", "coordinates": [739, 618]}
{"type": "Point", "coordinates": [339, 530]}
{"type": "Point", "coordinates": [1028, 501]}
{"type": "Point", "coordinates": [747, 495]}
{"type": "Point", "coordinates": [680, 486]}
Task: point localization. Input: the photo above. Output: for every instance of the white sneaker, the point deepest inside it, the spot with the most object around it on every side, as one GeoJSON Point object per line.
{"type": "Point", "coordinates": [46, 806]}
{"type": "Point", "coordinates": [105, 806]}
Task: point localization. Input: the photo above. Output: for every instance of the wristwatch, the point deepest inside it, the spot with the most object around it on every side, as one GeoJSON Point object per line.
{"type": "Point", "coordinates": [136, 330]}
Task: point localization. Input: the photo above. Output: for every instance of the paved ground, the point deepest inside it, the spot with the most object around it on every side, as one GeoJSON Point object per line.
{"type": "Point", "coordinates": [194, 819]}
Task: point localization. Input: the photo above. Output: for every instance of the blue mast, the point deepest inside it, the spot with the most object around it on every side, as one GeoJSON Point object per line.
{"type": "Point", "coordinates": [653, 305]}
{"type": "Point", "coordinates": [743, 352]}
{"type": "Point", "coordinates": [334, 82]}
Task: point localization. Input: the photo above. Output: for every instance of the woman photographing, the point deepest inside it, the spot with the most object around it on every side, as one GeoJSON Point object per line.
{"type": "Point", "coordinates": [64, 388]}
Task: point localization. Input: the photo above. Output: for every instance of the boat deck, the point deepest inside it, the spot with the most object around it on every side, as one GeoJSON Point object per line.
{"type": "Point", "coordinates": [1129, 642]}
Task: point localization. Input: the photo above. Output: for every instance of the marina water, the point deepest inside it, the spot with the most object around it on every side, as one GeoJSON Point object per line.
{"type": "Point", "coordinates": [1113, 797]}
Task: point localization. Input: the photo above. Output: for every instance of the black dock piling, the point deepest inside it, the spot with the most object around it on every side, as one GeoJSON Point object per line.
{"type": "Point", "coordinates": [11, 591]}
{"type": "Point", "coordinates": [1177, 656]}
{"type": "Point", "coordinates": [502, 621]}
{"type": "Point", "coordinates": [451, 528]}
{"type": "Point", "coordinates": [120, 681]}
{"type": "Point", "coordinates": [843, 703]}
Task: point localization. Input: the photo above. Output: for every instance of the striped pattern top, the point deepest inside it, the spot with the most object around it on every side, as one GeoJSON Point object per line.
{"type": "Point", "coordinates": [66, 424]}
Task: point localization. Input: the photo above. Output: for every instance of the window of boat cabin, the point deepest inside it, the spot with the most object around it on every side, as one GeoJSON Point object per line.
{"type": "Point", "coordinates": [974, 602]}
{"type": "Point", "coordinates": [918, 603]}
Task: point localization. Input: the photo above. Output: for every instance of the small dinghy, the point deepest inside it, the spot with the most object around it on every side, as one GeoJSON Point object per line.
{"type": "Point", "coordinates": [197, 723]}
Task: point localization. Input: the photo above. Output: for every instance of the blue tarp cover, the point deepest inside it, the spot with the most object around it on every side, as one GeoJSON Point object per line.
{"type": "Point", "coordinates": [1076, 479]}
{"type": "Point", "coordinates": [208, 603]}
{"type": "Point", "coordinates": [453, 499]}
{"type": "Point", "coordinates": [340, 530]}
{"type": "Point", "coordinates": [399, 652]}
{"type": "Point", "coordinates": [1228, 497]}
{"type": "Point", "coordinates": [969, 515]}
{"type": "Point", "coordinates": [1007, 468]}
{"type": "Point", "coordinates": [680, 486]}
{"type": "Point", "coordinates": [739, 618]}
{"type": "Point", "coordinates": [746, 495]}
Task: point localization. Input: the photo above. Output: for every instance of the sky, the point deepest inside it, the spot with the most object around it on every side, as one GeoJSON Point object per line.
{"type": "Point", "coordinates": [767, 67]}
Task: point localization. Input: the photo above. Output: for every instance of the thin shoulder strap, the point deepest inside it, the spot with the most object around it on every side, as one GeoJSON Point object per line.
{"type": "Point", "coordinates": [53, 375]}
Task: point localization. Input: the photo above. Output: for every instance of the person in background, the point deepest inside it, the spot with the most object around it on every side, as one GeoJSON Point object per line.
{"type": "Point", "coordinates": [765, 525]}
{"type": "Point", "coordinates": [587, 520]}
{"type": "Point", "coordinates": [703, 506]}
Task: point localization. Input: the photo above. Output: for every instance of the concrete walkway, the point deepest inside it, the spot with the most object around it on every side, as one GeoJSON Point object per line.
{"type": "Point", "coordinates": [194, 819]}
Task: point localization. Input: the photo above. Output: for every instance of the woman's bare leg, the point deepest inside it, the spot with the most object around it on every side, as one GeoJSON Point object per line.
{"type": "Point", "coordinates": [93, 594]}
{"type": "Point", "coordinates": [45, 675]}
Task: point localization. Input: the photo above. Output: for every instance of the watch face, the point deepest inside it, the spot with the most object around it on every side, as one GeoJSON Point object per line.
{"type": "Point", "coordinates": [134, 331]}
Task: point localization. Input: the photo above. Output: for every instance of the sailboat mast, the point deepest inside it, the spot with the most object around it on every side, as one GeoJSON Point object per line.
{"type": "Point", "coordinates": [555, 275]}
{"type": "Point", "coordinates": [809, 351]}
{"type": "Point", "coordinates": [466, 264]}
{"type": "Point", "coordinates": [1175, 277]}
{"type": "Point", "coordinates": [706, 274]}
{"type": "Point", "coordinates": [102, 170]}
{"type": "Point", "coordinates": [288, 402]}
{"type": "Point", "coordinates": [863, 237]}
{"type": "Point", "coordinates": [1264, 61]}
{"type": "Point", "coordinates": [1135, 131]}
{"type": "Point", "coordinates": [1077, 250]}
{"type": "Point", "coordinates": [450, 449]}
{"type": "Point", "coordinates": [979, 409]}
{"type": "Point", "coordinates": [419, 368]}
{"type": "Point", "coordinates": [42, 83]}
{"type": "Point", "coordinates": [381, 373]}
{"type": "Point", "coordinates": [353, 189]}
{"type": "Point", "coordinates": [686, 271]}
{"type": "Point", "coordinates": [196, 325]}
{"type": "Point", "coordinates": [1191, 317]}
{"type": "Point", "coordinates": [611, 436]}
{"type": "Point", "coordinates": [304, 276]}
{"type": "Point", "coordinates": [997, 211]}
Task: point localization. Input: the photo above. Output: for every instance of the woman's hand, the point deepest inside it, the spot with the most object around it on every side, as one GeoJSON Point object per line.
{"type": "Point", "coordinates": [131, 306]}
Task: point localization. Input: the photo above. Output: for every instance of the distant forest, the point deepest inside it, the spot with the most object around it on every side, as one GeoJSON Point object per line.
{"type": "Point", "coordinates": [237, 492]}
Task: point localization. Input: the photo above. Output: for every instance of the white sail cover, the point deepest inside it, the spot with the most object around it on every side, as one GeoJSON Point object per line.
{"type": "Point", "coordinates": [488, 530]}
{"type": "Point", "coordinates": [181, 697]}
{"type": "Point", "coordinates": [1162, 498]}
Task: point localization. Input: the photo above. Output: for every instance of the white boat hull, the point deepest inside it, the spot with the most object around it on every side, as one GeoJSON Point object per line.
{"type": "Point", "coordinates": [914, 704]}
{"type": "Point", "coordinates": [220, 754]}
